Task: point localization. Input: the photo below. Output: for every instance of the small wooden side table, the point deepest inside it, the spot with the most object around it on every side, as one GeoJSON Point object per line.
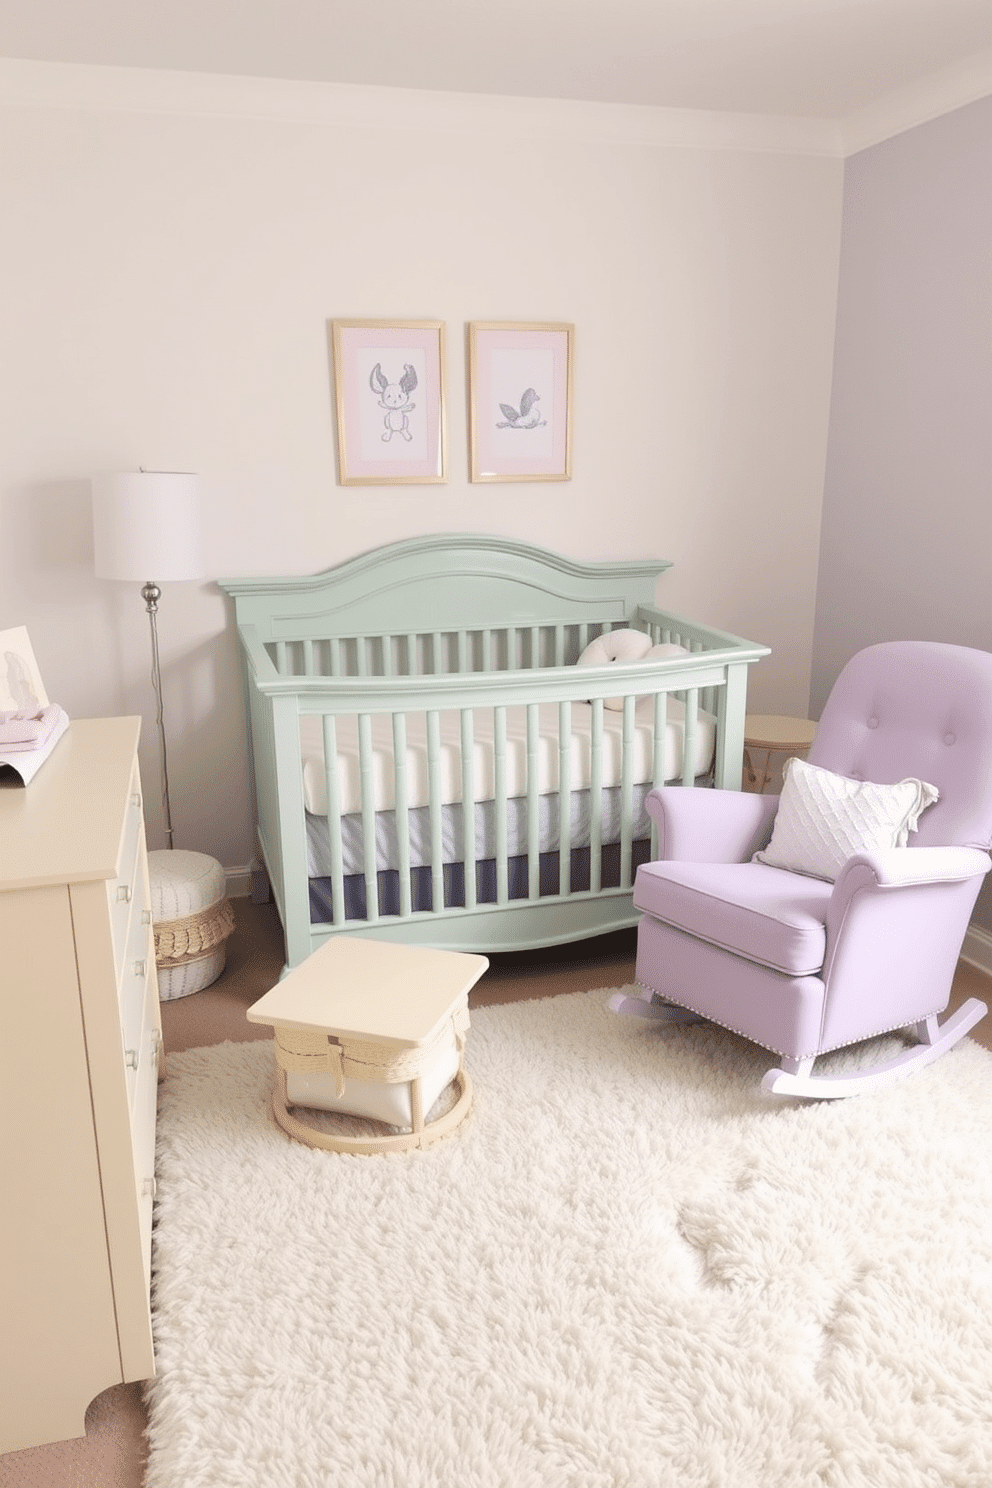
{"type": "Point", "coordinates": [371, 1028]}
{"type": "Point", "coordinates": [776, 736]}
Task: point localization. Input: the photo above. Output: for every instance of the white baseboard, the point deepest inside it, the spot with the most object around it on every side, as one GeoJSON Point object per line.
{"type": "Point", "coordinates": [977, 949]}
{"type": "Point", "coordinates": [239, 882]}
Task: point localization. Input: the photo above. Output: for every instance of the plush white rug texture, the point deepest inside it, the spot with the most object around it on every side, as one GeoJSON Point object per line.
{"type": "Point", "coordinates": [628, 1266]}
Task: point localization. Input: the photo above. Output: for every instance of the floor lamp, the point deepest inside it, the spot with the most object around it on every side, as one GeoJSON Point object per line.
{"type": "Point", "coordinates": [146, 528]}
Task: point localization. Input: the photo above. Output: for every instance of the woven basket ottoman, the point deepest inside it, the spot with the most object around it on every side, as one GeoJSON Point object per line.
{"type": "Point", "coordinates": [191, 919]}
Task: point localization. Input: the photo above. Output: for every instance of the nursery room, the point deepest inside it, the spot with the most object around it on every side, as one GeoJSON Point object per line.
{"type": "Point", "coordinates": [579, 416]}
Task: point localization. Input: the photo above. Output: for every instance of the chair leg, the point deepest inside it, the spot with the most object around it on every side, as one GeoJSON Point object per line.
{"type": "Point", "coordinates": [651, 1007]}
{"type": "Point", "coordinates": [799, 1067]}
{"type": "Point", "coordinates": [935, 1040]}
{"type": "Point", "coordinates": [928, 1031]}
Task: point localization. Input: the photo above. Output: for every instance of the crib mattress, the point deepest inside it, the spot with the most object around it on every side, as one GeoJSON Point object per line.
{"type": "Point", "coordinates": [452, 838]}
{"type": "Point", "coordinates": [484, 779]}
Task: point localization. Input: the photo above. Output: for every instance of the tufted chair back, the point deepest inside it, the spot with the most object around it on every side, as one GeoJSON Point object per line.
{"type": "Point", "coordinates": [924, 709]}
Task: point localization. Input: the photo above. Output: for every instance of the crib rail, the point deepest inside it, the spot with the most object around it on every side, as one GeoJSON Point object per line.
{"type": "Point", "coordinates": [504, 648]}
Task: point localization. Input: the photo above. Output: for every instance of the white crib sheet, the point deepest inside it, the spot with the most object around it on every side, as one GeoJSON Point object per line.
{"type": "Point", "coordinates": [452, 839]}
{"type": "Point", "coordinates": [418, 793]}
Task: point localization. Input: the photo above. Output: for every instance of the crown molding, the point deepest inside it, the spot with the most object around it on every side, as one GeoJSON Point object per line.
{"type": "Point", "coordinates": [61, 85]}
{"type": "Point", "coordinates": [57, 85]}
{"type": "Point", "coordinates": [941, 93]}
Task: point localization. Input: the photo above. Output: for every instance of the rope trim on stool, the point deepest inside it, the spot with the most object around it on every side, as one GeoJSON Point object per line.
{"type": "Point", "coordinates": [309, 1051]}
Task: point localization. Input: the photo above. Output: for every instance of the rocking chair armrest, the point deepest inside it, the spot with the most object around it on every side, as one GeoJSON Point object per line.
{"type": "Point", "coordinates": [710, 826]}
{"type": "Point", "coordinates": [903, 867]}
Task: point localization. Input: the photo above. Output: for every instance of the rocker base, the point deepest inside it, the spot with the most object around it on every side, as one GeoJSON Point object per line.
{"type": "Point", "coordinates": [936, 1041]}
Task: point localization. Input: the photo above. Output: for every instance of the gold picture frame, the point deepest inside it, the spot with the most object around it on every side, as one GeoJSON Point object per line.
{"type": "Point", "coordinates": [520, 399]}
{"type": "Point", "coordinates": [390, 399]}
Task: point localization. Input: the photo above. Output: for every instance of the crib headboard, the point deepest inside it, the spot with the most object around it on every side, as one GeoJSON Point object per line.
{"type": "Point", "coordinates": [447, 582]}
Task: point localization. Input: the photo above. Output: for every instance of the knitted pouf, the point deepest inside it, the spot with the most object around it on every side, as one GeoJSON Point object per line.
{"type": "Point", "coordinates": [191, 919]}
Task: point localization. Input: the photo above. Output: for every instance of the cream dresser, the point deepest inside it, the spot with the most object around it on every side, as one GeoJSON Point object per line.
{"type": "Point", "coordinates": [80, 1036]}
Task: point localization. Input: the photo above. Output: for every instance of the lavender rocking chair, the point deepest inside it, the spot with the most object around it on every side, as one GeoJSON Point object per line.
{"type": "Point", "coordinates": [801, 964]}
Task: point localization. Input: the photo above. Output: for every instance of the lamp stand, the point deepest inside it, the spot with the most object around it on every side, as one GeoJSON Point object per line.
{"type": "Point", "coordinates": [151, 594]}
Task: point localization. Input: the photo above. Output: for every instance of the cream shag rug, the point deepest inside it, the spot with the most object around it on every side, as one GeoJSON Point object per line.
{"type": "Point", "coordinates": [627, 1267]}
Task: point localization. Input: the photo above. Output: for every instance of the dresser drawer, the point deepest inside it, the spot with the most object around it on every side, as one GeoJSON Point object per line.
{"type": "Point", "coordinates": [138, 985]}
{"type": "Point", "coordinates": [126, 891]}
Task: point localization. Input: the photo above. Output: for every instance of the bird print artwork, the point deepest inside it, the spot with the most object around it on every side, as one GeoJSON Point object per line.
{"type": "Point", "coordinates": [528, 416]}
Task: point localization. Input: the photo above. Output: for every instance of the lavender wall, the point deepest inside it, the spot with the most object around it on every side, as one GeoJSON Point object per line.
{"type": "Point", "coordinates": [906, 542]}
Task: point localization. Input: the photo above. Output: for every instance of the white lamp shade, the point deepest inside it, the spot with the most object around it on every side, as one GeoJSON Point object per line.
{"type": "Point", "coordinates": [146, 526]}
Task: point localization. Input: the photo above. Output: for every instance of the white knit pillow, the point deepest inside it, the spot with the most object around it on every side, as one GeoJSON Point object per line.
{"type": "Point", "coordinates": [625, 645]}
{"type": "Point", "coordinates": [823, 819]}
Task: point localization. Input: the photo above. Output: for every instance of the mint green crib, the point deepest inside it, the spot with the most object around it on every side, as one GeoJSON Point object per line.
{"type": "Point", "coordinates": [430, 764]}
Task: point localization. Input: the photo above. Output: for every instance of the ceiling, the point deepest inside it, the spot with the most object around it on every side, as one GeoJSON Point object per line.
{"type": "Point", "coordinates": [823, 59]}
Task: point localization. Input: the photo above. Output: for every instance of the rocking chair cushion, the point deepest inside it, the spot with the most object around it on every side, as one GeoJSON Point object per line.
{"type": "Point", "coordinates": [824, 819]}
{"type": "Point", "coordinates": [752, 910]}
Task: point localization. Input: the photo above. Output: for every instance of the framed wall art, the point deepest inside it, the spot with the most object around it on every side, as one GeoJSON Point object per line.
{"type": "Point", "coordinates": [389, 386]}
{"type": "Point", "coordinates": [520, 394]}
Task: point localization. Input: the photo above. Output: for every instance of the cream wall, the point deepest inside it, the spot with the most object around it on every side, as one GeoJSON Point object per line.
{"type": "Point", "coordinates": [171, 253]}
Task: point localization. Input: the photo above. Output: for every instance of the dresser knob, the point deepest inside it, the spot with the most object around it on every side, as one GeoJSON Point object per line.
{"type": "Point", "coordinates": [149, 1187]}
{"type": "Point", "coordinates": [146, 916]}
{"type": "Point", "coordinates": [139, 968]}
{"type": "Point", "coordinates": [136, 800]}
{"type": "Point", "coordinates": [156, 1045]}
{"type": "Point", "coordinates": [131, 1058]}
{"type": "Point", "coordinates": [124, 893]}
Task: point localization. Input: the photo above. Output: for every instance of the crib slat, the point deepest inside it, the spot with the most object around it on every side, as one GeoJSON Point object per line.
{"type": "Point", "coordinates": [468, 805]}
{"type": "Point", "coordinates": [596, 798]}
{"type": "Point", "coordinates": [281, 666]}
{"type": "Point", "coordinates": [512, 660]}
{"type": "Point", "coordinates": [402, 814]}
{"type": "Point", "coordinates": [564, 797]}
{"type": "Point", "coordinates": [463, 659]}
{"type": "Point", "coordinates": [658, 763]}
{"type": "Point", "coordinates": [335, 656]}
{"type": "Point", "coordinates": [487, 650]}
{"type": "Point", "coordinates": [689, 737]}
{"type": "Point", "coordinates": [626, 792]}
{"type": "Point", "coordinates": [499, 765]}
{"type": "Point", "coordinates": [368, 815]}
{"type": "Point", "coordinates": [412, 658]}
{"type": "Point", "coordinates": [533, 805]}
{"type": "Point", "coordinates": [333, 786]}
{"type": "Point", "coordinates": [434, 798]}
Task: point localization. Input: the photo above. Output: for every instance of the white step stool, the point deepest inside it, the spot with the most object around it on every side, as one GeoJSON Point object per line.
{"type": "Point", "coordinates": [371, 1028]}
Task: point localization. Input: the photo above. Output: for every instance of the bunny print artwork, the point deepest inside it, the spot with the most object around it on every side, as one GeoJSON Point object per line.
{"type": "Point", "coordinates": [394, 397]}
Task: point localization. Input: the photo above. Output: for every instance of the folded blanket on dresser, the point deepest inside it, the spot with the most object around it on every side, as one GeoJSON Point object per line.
{"type": "Point", "coordinates": [23, 729]}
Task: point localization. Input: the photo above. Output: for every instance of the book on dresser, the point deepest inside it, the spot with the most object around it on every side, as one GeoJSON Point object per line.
{"type": "Point", "coordinates": [79, 1054]}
